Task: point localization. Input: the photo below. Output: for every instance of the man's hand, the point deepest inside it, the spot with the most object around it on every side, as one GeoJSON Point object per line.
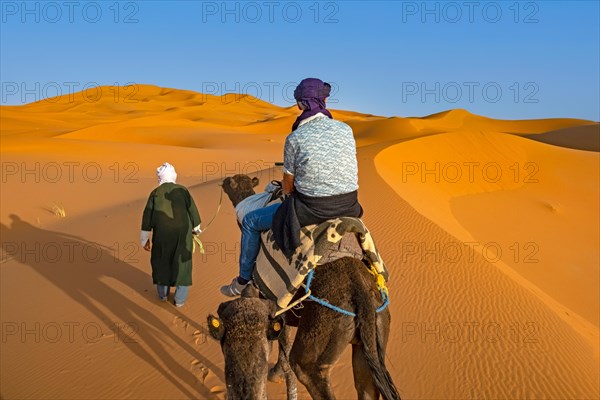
{"type": "Point", "coordinates": [148, 246]}
{"type": "Point", "coordinates": [287, 183]}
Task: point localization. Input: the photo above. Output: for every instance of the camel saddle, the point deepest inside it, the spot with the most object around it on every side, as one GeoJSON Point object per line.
{"type": "Point", "coordinates": [279, 278]}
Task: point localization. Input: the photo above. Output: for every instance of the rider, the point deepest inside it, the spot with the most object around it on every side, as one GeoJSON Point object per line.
{"type": "Point", "coordinates": [320, 176]}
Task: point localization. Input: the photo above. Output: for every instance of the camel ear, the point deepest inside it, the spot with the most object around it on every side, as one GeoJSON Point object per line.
{"type": "Point", "coordinates": [276, 326]}
{"type": "Point", "coordinates": [254, 181]}
{"type": "Point", "coordinates": [232, 183]}
{"type": "Point", "coordinates": [215, 327]}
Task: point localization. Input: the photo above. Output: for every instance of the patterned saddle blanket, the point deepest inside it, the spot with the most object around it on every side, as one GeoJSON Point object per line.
{"type": "Point", "coordinates": [279, 278]}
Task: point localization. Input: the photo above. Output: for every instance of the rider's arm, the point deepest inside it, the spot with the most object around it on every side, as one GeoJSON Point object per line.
{"type": "Point", "coordinates": [288, 183]}
{"type": "Point", "coordinates": [289, 166]}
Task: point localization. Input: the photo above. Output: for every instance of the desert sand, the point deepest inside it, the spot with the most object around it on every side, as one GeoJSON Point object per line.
{"type": "Point", "coordinates": [490, 229]}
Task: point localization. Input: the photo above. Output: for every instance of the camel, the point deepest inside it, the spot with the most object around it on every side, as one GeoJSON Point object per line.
{"type": "Point", "coordinates": [244, 328]}
{"type": "Point", "coordinates": [245, 325]}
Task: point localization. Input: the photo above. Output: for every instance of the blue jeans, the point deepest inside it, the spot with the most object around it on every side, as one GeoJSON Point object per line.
{"type": "Point", "coordinates": [181, 292]}
{"type": "Point", "coordinates": [253, 224]}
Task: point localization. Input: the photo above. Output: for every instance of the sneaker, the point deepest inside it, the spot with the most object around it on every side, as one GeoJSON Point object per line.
{"type": "Point", "coordinates": [178, 304]}
{"type": "Point", "coordinates": [233, 289]}
{"type": "Point", "coordinates": [163, 298]}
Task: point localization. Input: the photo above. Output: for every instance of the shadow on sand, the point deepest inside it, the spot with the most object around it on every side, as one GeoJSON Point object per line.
{"type": "Point", "coordinates": [84, 281]}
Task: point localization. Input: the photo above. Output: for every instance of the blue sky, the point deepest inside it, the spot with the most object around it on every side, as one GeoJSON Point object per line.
{"type": "Point", "coordinates": [513, 60]}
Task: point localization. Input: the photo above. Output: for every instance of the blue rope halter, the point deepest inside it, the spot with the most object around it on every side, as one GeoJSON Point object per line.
{"type": "Point", "coordinates": [384, 296]}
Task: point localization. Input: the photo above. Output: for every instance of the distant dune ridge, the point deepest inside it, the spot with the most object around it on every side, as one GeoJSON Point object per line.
{"type": "Point", "coordinates": [490, 229]}
{"type": "Point", "coordinates": [582, 137]}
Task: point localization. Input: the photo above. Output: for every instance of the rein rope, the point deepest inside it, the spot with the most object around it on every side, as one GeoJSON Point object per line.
{"type": "Point", "coordinates": [195, 239]}
{"type": "Point", "coordinates": [217, 212]}
{"type": "Point", "coordinates": [383, 290]}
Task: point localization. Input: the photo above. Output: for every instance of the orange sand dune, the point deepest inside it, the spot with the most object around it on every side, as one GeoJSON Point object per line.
{"type": "Point", "coordinates": [464, 180]}
{"type": "Point", "coordinates": [494, 273]}
{"type": "Point", "coordinates": [462, 119]}
{"type": "Point", "coordinates": [583, 137]}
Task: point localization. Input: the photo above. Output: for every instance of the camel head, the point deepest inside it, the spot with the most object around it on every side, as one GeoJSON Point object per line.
{"type": "Point", "coordinates": [238, 187]}
{"type": "Point", "coordinates": [245, 328]}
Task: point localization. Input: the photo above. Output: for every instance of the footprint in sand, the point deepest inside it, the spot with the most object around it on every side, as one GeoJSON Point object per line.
{"type": "Point", "coordinates": [217, 389]}
{"type": "Point", "coordinates": [199, 370]}
{"type": "Point", "coordinates": [199, 337]}
{"type": "Point", "coordinates": [180, 322]}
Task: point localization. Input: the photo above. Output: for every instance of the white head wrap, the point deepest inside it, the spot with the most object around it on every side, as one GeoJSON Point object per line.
{"type": "Point", "coordinates": [166, 173]}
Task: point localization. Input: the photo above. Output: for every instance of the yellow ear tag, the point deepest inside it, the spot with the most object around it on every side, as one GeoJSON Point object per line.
{"type": "Point", "coordinates": [276, 326]}
{"type": "Point", "coordinates": [215, 323]}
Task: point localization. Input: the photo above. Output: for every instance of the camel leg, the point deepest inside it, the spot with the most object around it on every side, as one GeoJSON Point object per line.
{"type": "Point", "coordinates": [290, 378]}
{"type": "Point", "coordinates": [276, 374]}
{"type": "Point", "coordinates": [314, 353]}
{"type": "Point", "coordinates": [282, 370]}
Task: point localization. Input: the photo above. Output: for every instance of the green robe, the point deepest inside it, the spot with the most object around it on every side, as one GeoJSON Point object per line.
{"type": "Point", "coordinates": [171, 214]}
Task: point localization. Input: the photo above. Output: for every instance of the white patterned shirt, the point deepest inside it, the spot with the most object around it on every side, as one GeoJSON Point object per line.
{"type": "Point", "coordinates": [321, 154]}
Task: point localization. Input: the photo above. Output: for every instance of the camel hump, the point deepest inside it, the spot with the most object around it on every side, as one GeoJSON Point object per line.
{"type": "Point", "coordinates": [348, 246]}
